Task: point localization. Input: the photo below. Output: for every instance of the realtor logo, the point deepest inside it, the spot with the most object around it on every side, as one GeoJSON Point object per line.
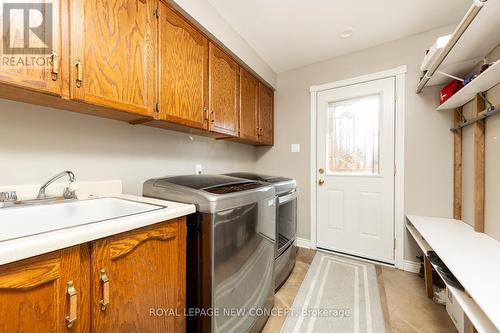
{"type": "Point", "coordinates": [27, 28]}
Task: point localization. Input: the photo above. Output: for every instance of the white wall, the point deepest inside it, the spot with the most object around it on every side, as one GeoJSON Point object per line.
{"type": "Point", "coordinates": [210, 19]}
{"type": "Point", "coordinates": [492, 163]}
{"type": "Point", "coordinates": [38, 142]}
{"type": "Point", "coordinates": [429, 143]}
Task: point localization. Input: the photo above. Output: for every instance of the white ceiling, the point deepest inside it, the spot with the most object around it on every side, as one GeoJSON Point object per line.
{"type": "Point", "coordinates": [292, 33]}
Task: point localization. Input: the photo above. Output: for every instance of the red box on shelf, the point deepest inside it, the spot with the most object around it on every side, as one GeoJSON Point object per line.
{"type": "Point", "coordinates": [450, 89]}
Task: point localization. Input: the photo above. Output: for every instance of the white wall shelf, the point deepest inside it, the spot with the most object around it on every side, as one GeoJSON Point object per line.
{"type": "Point", "coordinates": [473, 258]}
{"type": "Point", "coordinates": [483, 82]}
{"type": "Point", "coordinates": [480, 37]}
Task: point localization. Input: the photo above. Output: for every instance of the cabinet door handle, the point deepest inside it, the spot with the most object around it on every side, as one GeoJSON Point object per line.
{"type": "Point", "coordinates": [55, 66]}
{"type": "Point", "coordinates": [212, 117]}
{"type": "Point", "coordinates": [258, 131]}
{"type": "Point", "coordinates": [79, 74]}
{"type": "Point", "coordinates": [205, 114]}
{"type": "Point", "coordinates": [73, 304]}
{"type": "Point", "coordinates": [105, 290]}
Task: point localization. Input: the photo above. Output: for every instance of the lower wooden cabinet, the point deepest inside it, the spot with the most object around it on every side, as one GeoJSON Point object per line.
{"type": "Point", "coordinates": [115, 284]}
{"type": "Point", "coordinates": [136, 273]}
{"type": "Point", "coordinates": [44, 294]}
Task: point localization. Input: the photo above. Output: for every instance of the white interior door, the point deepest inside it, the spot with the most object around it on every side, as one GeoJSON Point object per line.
{"type": "Point", "coordinates": [355, 176]}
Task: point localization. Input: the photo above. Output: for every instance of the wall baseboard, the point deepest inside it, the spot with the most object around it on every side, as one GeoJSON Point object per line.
{"type": "Point", "coordinates": [303, 242]}
{"type": "Point", "coordinates": [408, 265]}
{"type": "Point", "coordinates": [411, 266]}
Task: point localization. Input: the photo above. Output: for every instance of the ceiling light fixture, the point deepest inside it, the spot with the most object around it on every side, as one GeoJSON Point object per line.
{"type": "Point", "coordinates": [346, 33]}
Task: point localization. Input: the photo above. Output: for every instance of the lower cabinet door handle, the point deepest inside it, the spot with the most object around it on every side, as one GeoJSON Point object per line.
{"type": "Point", "coordinates": [73, 304]}
{"type": "Point", "coordinates": [104, 302]}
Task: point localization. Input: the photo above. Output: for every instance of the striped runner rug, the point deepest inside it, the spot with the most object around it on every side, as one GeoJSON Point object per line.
{"type": "Point", "coordinates": [337, 295]}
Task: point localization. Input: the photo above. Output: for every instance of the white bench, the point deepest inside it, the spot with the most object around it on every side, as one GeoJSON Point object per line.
{"type": "Point", "coordinates": [474, 259]}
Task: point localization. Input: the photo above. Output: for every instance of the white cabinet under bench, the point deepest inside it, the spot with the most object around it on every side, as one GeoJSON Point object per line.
{"type": "Point", "coordinates": [474, 260]}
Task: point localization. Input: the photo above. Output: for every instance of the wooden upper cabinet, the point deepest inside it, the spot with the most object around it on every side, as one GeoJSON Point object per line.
{"type": "Point", "coordinates": [249, 106]}
{"type": "Point", "coordinates": [135, 272]}
{"type": "Point", "coordinates": [266, 115]}
{"type": "Point", "coordinates": [44, 294]}
{"type": "Point", "coordinates": [223, 92]}
{"type": "Point", "coordinates": [114, 51]}
{"type": "Point", "coordinates": [183, 83]}
{"type": "Point", "coordinates": [33, 62]}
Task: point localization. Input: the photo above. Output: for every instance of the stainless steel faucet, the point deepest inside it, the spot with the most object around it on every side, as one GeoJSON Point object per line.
{"type": "Point", "coordinates": [69, 192]}
{"type": "Point", "coordinates": [10, 196]}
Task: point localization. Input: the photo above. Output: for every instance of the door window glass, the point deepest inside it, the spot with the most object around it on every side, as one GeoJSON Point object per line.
{"type": "Point", "coordinates": [353, 136]}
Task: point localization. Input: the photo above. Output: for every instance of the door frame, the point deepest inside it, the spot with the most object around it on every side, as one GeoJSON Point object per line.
{"type": "Point", "coordinates": [399, 73]}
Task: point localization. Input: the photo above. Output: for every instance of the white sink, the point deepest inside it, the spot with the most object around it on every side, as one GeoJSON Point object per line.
{"type": "Point", "coordinates": [22, 221]}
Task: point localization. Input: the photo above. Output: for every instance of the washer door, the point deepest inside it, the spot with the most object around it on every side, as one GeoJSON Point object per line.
{"type": "Point", "coordinates": [287, 221]}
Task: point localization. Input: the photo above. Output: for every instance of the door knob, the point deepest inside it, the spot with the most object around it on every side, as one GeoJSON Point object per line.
{"type": "Point", "coordinates": [321, 171]}
{"type": "Point", "coordinates": [321, 182]}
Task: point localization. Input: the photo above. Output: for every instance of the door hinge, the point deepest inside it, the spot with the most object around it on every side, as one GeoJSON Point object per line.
{"type": "Point", "coordinates": [394, 169]}
{"type": "Point", "coordinates": [156, 13]}
{"type": "Point", "coordinates": [394, 244]}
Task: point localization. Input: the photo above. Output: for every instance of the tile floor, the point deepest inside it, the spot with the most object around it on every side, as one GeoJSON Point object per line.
{"type": "Point", "coordinates": [407, 310]}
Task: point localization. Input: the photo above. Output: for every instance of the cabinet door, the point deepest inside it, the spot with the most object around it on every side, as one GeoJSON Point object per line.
{"type": "Point", "coordinates": [224, 91]}
{"type": "Point", "coordinates": [266, 115]}
{"type": "Point", "coordinates": [249, 106]}
{"type": "Point", "coordinates": [114, 54]}
{"type": "Point", "coordinates": [36, 294]}
{"type": "Point", "coordinates": [136, 273]}
{"type": "Point", "coordinates": [183, 71]}
{"type": "Point", "coordinates": [32, 60]}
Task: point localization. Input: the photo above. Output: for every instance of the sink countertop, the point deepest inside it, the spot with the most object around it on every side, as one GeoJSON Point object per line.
{"type": "Point", "coordinates": [30, 246]}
